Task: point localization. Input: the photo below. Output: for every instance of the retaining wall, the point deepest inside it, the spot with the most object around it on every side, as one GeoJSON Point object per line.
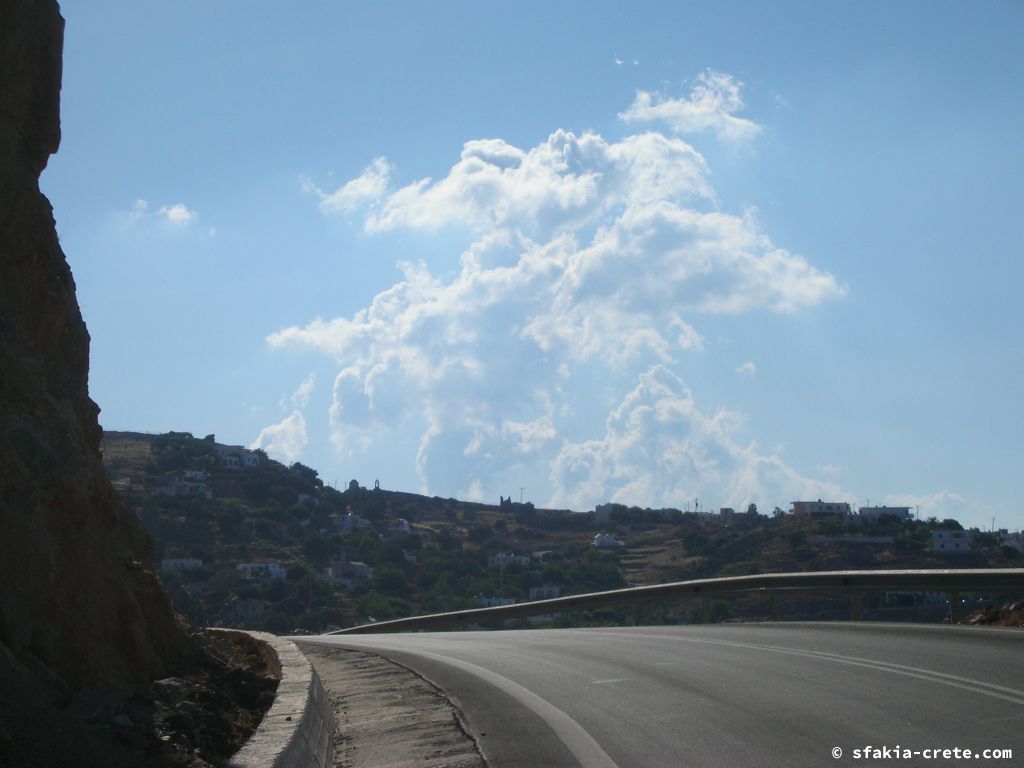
{"type": "Point", "coordinates": [298, 729]}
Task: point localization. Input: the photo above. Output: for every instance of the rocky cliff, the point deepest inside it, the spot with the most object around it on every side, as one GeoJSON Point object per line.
{"type": "Point", "coordinates": [80, 606]}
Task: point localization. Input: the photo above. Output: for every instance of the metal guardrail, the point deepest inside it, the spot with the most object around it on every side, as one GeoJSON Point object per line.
{"type": "Point", "coordinates": [952, 582]}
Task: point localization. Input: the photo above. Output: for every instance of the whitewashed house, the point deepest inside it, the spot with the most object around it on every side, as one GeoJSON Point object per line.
{"type": "Point", "coordinates": [503, 559]}
{"type": "Point", "coordinates": [606, 541]}
{"type": "Point", "coordinates": [351, 523]}
{"type": "Point", "coordinates": [262, 571]}
{"type": "Point", "coordinates": [872, 514]}
{"type": "Point", "coordinates": [951, 542]}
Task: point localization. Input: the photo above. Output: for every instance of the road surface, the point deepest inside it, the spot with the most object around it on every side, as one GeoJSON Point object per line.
{"type": "Point", "coordinates": [727, 695]}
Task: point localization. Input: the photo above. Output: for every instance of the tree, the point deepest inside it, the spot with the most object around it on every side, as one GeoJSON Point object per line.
{"type": "Point", "coordinates": [391, 581]}
{"type": "Point", "coordinates": [319, 550]}
{"type": "Point", "coordinates": [307, 473]}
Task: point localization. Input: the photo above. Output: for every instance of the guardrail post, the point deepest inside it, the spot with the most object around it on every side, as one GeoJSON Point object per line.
{"type": "Point", "coordinates": [773, 606]}
{"type": "Point", "coordinates": [705, 609]}
{"type": "Point", "coordinates": [579, 618]}
{"type": "Point", "coordinates": [855, 604]}
{"type": "Point", "coordinates": [954, 607]}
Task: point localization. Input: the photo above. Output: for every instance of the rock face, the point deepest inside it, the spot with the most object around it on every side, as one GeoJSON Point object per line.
{"type": "Point", "coordinates": [80, 606]}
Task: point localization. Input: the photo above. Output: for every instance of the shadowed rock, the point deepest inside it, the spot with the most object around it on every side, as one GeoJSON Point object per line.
{"type": "Point", "coordinates": [80, 606]}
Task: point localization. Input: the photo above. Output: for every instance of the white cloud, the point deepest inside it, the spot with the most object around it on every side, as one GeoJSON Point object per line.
{"type": "Point", "coordinates": [177, 215]}
{"type": "Point", "coordinates": [747, 369]}
{"type": "Point", "coordinates": [713, 100]}
{"type": "Point", "coordinates": [565, 182]}
{"type": "Point", "coordinates": [588, 262]}
{"type": "Point", "coordinates": [829, 470]}
{"type": "Point", "coordinates": [475, 492]}
{"type": "Point", "coordinates": [284, 440]}
{"type": "Point", "coordinates": [367, 187]}
{"type": "Point", "coordinates": [660, 449]}
{"type": "Point", "coordinates": [139, 211]}
{"type": "Point", "coordinates": [300, 398]}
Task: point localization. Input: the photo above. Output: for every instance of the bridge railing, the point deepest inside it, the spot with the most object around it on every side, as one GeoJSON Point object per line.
{"type": "Point", "coordinates": [952, 582]}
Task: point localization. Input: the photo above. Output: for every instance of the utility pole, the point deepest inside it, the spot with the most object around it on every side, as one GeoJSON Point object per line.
{"type": "Point", "coordinates": [521, 494]}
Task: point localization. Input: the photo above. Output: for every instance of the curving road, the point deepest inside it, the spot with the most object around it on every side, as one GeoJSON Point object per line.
{"type": "Point", "coordinates": [726, 695]}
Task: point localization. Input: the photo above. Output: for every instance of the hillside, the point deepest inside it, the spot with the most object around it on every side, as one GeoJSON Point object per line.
{"type": "Point", "coordinates": [245, 540]}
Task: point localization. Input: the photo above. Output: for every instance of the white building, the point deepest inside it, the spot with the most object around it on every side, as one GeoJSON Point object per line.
{"type": "Point", "coordinates": [351, 523]}
{"type": "Point", "coordinates": [606, 541]}
{"type": "Point", "coordinates": [819, 508]}
{"type": "Point", "coordinates": [875, 513]}
{"type": "Point", "coordinates": [400, 525]}
{"type": "Point", "coordinates": [235, 456]}
{"type": "Point", "coordinates": [349, 574]}
{"type": "Point", "coordinates": [603, 514]}
{"type": "Point", "coordinates": [360, 571]}
{"type": "Point", "coordinates": [1015, 540]}
{"type": "Point", "coordinates": [181, 485]}
{"type": "Point", "coordinates": [951, 542]}
{"type": "Point", "coordinates": [179, 564]}
{"type": "Point", "coordinates": [262, 571]}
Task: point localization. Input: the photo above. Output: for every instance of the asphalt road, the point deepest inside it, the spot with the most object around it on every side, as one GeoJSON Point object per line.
{"type": "Point", "coordinates": [726, 695]}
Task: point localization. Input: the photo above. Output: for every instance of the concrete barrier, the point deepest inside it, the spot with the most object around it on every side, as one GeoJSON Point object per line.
{"type": "Point", "coordinates": [298, 729]}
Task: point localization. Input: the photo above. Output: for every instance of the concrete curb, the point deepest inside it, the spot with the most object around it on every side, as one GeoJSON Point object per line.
{"type": "Point", "coordinates": [298, 729]}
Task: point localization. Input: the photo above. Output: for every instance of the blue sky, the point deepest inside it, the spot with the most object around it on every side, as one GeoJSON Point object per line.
{"type": "Point", "coordinates": [648, 253]}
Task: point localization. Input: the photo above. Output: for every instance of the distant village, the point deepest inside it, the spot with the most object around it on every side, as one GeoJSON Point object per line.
{"type": "Point", "coordinates": [943, 541]}
{"type": "Point", "coordinates": [318, 514]}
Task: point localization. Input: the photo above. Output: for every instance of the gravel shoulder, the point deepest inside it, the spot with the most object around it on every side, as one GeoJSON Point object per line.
{"type": "Point", "coordinates": [388, 715]}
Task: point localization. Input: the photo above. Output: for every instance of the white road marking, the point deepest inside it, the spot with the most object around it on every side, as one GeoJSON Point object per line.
{"type": "Point", "coordinates": [955, 681]}
{"type": "Point", "coordinates": [582, 745]}
{"type": "Point", "coordinates": [609, 680]}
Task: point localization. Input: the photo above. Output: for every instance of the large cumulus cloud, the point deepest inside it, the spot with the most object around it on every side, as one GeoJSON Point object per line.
{"type": "Point", "coordinates": [587, 262]}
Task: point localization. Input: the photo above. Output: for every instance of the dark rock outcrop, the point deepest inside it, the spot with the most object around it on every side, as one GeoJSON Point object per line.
{"type": "Point", "coordinates": [80, 606]}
